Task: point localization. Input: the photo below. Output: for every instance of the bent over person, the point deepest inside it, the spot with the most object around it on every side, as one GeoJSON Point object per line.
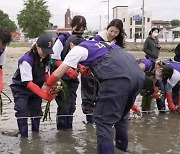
{"type": "Point", "coordinates": [114, 68]}
{"type": "Point", "coordinates": [27, 83]}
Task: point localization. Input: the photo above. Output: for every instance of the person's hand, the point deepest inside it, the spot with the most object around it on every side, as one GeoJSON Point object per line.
{"type": "Point", "coordinates": [49, 97]}
{"type": "Point", "coordinates": [136, 110]}
{"type": "Point", "coordinates": [158, 46]}
{"type": "Point", "coordinates": [72, 73]}
{"type": "Point", "coordinates": [56, 88]}
{"type": "Point", "coordinates": [84, 70]}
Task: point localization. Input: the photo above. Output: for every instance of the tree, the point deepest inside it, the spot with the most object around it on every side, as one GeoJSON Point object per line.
{"type": "Point", "coordinates": [175, 22]}
{"type": "Point", "coordinates": [34, 18]}
{"type": "Point", "coordinates": [6, 22]}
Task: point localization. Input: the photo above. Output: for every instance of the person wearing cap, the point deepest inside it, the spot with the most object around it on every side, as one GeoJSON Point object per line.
{"type": "Point", "coordinates": [27, 83]}
{"type": "Point", "coordinates": [113, 68]}
{"type": "Point", "coordinates": [64, 118]}
{"type": "Point", "coordinates": [5, 38]}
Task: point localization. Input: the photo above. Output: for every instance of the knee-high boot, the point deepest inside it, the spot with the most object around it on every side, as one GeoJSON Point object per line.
{"type": "Point", "coordinates": [61, 122]}
{"type": "Point", "coordinates": [23, 127]}
{"type": "Point", "coordinates": [105, 148]}
{"type": "Point", "coordinates": [35, 122]}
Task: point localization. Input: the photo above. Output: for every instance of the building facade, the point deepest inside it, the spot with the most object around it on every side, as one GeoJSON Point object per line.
{"type": "Point", "coordinates": [133, 22]}
{"type": "Point", "coordinates": [68, 19]}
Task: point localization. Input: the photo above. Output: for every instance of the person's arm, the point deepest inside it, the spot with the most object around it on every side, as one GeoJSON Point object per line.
{"type": "Point", "coordinates": [72, 59]}
{"type": "Point", "coordinates": [170, 102]}
{"type": "Point", "coordinates": [27, 80]}
{"type": "Point", "coordinates": [55, 76]}
{"type": "Point", "coordinates": [40, 92]}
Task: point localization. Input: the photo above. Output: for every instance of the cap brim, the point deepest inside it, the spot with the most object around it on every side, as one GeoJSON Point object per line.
{"type": "Point", "coordinates": [47, 51]}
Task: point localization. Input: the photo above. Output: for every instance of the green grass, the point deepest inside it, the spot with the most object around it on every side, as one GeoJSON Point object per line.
{"type": "Point", "coordinates": [163, 54]}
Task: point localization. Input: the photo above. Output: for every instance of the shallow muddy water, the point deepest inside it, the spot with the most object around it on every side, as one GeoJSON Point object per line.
{"type": "Point", "coordinates": [148, 134]}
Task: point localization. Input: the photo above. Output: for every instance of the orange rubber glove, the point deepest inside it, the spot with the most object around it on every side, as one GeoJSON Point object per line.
{"type": "Point", "coordinates": [40, 92]}
{"type": "Point", "coordinates": [171, 105]}
{"type": "Point", "coordinates": [57, 63]}
{"type": "Point", "coordinates": [50, 82]}
{"type": "Point", "coordinates": [70, 72]}
{"type": "Point", "coordinates": [136, 110]}
{"type": "Point", "coordinates": [84, 70]}
{"type": "Point", "coordinates": [156, 95]}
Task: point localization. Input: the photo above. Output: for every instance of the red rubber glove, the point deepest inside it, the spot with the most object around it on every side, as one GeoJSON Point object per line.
{"type": "Point", "coordinates": [156, 95]}
{"type": "Point", "coordinates": [84, 70]}
{"type": "Point", "coordinates": [57, 63]}
{"type": "Point", "coordinates": [171, 105]}
{"type": "Point", "coordinates": [40, 92]}
{"type": "Point", "coordinates": [70, 72]}
{"type": "Point", "coordinates": [50, 82]}
{"type": "Point", "coordinates": [46, 76]}
{"type": "Point", "coordinates": [136, 110]}
{"type": "Point", "coordinates": [1, 80]}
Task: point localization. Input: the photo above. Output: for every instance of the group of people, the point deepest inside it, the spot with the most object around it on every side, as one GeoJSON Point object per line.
{"type": "Point", "coordinates": [105, 68]}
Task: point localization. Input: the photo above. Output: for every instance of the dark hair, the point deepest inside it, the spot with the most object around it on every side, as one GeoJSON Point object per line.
{"type": "Point", "coordinates": [167, 71]}
{"type": "Point", "coordinates": [119, 25]}
{"type": "Point", "coordinates": [34, 53]}
{"type": "Point", "coordinates": [78, 41]}
{"type": "Point", "coordinates": [5, 35]}
{"type": "Point", "coordinates": [78, 21]}
{"type": "Point", "coordinates": [152, 30]}
{"type": "Point", "coordinates": [177, 53]}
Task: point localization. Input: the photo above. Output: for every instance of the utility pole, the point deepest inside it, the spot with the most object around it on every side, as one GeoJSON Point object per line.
{"type": "Point", "coordinates": [108, 12]}
{"type": "Point", "coordinates": [100, 23]}
{"type": "Point", "coordinates": [107, 1]}
{"type": "Point", "coordinates": [143, 26]}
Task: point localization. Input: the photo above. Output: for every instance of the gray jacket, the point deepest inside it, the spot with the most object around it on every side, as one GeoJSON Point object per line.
{"type": "Point", "coordinates": [151, 48]}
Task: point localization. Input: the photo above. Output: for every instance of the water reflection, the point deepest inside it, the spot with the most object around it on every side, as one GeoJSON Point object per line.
{"type": "Point", "coordinates": [155, 133]}
{"type": "Point", "coordinates": [32, 145]}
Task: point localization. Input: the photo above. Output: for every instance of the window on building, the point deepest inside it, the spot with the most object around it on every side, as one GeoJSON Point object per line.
{"type": "Point", "coordinates": [131, 21]}
{"type": "Point", "coordinates": [138, 33]}
{"type": "Point", "coordinates": [148, 19]}
{"type": "Point", "coordinates": [130, 33]}
{"type": "Point", "coordinates": [124, 19]}
{"type": "Point", "coordinates": [176, 34]}
{"type": "Point", "coordinates": [138, 22]}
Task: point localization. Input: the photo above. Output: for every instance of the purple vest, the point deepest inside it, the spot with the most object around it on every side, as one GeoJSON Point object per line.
{"type": "Point", "coordinates": [26, 58]}
{"type": "Point", "coordinates": [148, 63]}
{"type": "Point", "coordinates": [95, 51]}
{"type": "Point", "coordinates": [63, 37]}
{"type": "Point", "coordinates": [175, 65]}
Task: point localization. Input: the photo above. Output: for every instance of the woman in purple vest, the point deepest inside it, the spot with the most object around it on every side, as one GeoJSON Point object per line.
{"type": "Point", "coordinates": [27, 83]}
{"type": "Point", "coordinates": [114, 68]}
{"type": "Point", "coordinates": [64, 119]}
{"type": "Point", "coordinates": [89, 86]}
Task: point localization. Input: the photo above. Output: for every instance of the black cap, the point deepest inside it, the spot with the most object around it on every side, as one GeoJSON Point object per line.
{"type": "Point", "coordinates": [45, 42]}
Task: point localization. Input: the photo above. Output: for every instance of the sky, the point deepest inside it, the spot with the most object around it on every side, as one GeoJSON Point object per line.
{"type": "Point", "coordinates": [95, 11]}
